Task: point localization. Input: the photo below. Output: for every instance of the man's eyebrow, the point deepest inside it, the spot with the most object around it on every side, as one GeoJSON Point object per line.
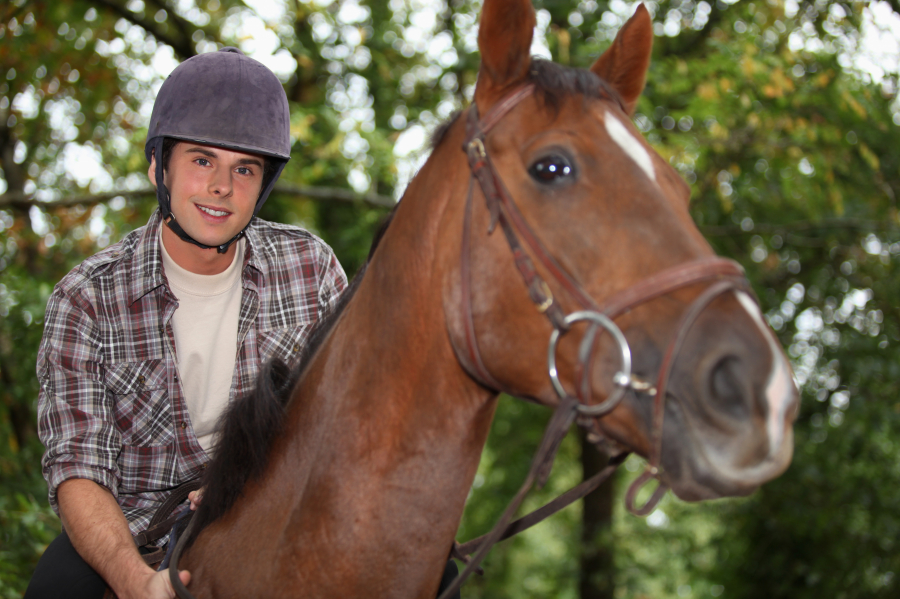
{"type": "Point", "coordinates": [211, 154]}
{"type": "Point", "coordinates": [204, 151]}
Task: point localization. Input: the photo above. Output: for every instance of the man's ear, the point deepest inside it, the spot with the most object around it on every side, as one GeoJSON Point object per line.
{"type": "Point", "coordinates": [151, 172]}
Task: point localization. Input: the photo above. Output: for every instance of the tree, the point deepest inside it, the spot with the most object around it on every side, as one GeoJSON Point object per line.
{"type": "Point", "coordinates": [796, 177]}
{"type": "Point", "coordinates": [789, 152]}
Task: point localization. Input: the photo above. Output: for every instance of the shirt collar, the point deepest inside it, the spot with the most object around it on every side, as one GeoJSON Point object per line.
{"type": "Point", "coordinates": [147, 258]}
{"type": "Point", "coordinates": [254, 250]}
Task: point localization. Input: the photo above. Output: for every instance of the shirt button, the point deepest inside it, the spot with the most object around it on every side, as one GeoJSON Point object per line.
{"type": "Point", "coordinates": [296, 348]}
{"type": "Point", "coordinates": [141, 380]}
{"type": "Point", "coordinates": [202, 466]}
{"type": "Point", "coordinates": [183, 424]}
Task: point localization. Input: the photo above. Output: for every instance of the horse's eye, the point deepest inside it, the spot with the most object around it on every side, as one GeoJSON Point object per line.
{"type": "Point", "coordinates": [550, 169]}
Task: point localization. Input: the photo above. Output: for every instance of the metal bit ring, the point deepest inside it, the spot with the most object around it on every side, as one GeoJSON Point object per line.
{"type": "Point", "coordinates": [622, 379]}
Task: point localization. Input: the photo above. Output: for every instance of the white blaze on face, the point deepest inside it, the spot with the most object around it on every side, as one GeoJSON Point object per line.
{"type": "Point", "coordinates": [628, 142]}
{"type": "Point", "coordinates": [779, 388]}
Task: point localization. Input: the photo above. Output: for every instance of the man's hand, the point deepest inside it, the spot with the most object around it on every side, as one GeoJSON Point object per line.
{"type": "Point", "coordinates": [99, 532]}
{"type": "Point", "coordinates": [160, 587]}
{"type": "Point", "coordinates": [195, 497]}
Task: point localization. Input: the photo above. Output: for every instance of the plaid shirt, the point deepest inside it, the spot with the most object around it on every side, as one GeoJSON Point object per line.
{"type": "Point", "coordinates": [111, 407]}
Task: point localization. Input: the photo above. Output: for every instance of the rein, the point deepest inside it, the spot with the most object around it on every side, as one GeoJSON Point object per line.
{"type": "Point", "coordinates": [724, 276]}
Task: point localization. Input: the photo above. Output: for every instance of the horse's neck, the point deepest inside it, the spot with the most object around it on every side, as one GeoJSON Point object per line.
{"type": "Point", "coordinates": [401, 426]}
{"type": "Point", "coordinates": [383, 435]}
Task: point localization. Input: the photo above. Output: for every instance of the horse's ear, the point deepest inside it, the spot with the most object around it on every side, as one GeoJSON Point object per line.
{"type": "Point", "coordinates": [504, 38]}
{"type": "Point", "coordinates": [624, 64]}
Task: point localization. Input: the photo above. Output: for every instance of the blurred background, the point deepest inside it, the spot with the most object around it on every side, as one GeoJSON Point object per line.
{"type": "Point", "coordinates": [782, 115]}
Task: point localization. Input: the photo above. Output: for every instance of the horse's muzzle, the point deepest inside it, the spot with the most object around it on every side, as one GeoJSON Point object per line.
{"type": "Point", "coordinates": [729, 424]}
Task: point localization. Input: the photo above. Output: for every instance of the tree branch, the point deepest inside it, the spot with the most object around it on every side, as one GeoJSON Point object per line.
{"type": "Point", "coordinates": [23, 201]}
{"type": "Point", "coordinates": [183, 26]}
{"type": "Point", "coordinates": [184, 47]}
{"type": "Point", "coordinates": [689, 41]}
{"type": "Point", "coordinates": [13, 172]}
{"type": "Point", "coordinates": [12, 11]}
{"type": "Point", "coordinates": [334, 194]}
{"type": "Point", "coordinates": [847, 224]}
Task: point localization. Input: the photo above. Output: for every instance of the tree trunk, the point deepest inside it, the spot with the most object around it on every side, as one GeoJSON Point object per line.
{"type": "Point", "coordinates": [597, 579]}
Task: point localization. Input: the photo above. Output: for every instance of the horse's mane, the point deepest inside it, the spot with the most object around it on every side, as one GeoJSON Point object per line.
{"type": "Point", "coordinates": [248, 426]}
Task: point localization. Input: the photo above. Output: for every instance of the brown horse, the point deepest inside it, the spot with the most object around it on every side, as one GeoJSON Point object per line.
{"type": "Point", "coordinates": [361, 491]}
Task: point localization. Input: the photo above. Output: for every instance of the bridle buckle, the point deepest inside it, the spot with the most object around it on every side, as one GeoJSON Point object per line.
{"type": "Point", "coordinates": [545, 305]}
{"type": "Point", "coordinates": [476, 146]}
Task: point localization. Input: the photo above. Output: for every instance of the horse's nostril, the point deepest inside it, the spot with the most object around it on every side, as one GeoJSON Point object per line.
{"type": "Point", "coordinates": [728, 391]}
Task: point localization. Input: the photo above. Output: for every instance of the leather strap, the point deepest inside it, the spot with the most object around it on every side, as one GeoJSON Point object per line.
{"type": "Point", "coordinates": [481, 372]}
{"type": "Point", "coordinates": [669, 280]}
{"type": "Point", "coordinates": [556, 429]}
{"type": "Point", "coordinates": [178, 586]}
{"type": "Point", "coordinates": [462, 551]}
{"type": "Point", "coordinates": [499, 110]}
{"type": "Point", "coordinates": [686, 322]}
{"type": "Point", "coordinates": [162, 520]}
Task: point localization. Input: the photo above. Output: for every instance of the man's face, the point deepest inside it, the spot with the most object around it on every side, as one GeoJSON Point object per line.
{"type": "Point", "coordinates": [213, 190]}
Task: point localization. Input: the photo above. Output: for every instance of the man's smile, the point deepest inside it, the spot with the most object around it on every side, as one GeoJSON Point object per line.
{"type": "Point", "coordinates": [212, 211]}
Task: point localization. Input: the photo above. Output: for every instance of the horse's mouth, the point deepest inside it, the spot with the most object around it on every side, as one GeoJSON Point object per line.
{"type": "Point", "coordinates": [711, 464]}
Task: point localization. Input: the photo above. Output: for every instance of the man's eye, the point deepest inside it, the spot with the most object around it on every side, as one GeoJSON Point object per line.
{"type": "Point", "coordinates": [203, 162]}
{"type": "Point", "coordinates": [551, 169]}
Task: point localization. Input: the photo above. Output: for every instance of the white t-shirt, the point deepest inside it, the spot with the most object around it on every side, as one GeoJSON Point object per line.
{"type": "Point", "coordinates": [205, 325]}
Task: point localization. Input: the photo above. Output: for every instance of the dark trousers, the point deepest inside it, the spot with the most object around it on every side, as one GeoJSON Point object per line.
{"type": "Point", "coordinates": [62, 574]}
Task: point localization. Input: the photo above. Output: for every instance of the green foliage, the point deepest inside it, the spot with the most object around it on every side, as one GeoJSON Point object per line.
{"type": "Point", "coordinates": [794, 172]}
{"type": "Point", "coordinates": [27, 524]}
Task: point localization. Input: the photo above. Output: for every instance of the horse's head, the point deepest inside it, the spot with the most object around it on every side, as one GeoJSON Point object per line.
{"type": "Point", "coordinates": [604, 223]}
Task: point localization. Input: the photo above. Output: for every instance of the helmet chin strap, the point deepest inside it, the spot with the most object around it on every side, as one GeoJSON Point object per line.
{"type": "Point", "coordinates": [165, 206]}
{"type": "Point", "coordinates": [176, 228]}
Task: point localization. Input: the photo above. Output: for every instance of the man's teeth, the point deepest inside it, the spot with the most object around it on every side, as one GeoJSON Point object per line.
{"type": "Point", "coordinates": [213, 212]}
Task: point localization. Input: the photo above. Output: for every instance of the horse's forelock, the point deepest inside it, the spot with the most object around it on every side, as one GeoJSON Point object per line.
{"type": "Point", "coordinates": [555, 83]}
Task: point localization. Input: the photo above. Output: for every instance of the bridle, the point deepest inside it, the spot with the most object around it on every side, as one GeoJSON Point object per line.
{"type": "Point", "coordinates": [721, 274]}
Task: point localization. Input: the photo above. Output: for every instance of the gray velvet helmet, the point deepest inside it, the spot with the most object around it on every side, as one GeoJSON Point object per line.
{"type": "Point", "coordinates": [222, 99]}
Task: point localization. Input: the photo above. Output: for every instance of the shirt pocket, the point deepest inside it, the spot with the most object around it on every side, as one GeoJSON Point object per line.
{"type": "Point", "coordinates": [143, 411]}
{"type": "Point", "coordinates": [285, 344]}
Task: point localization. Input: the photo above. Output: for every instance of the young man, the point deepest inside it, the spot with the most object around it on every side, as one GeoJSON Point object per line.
{"type": "Point", "coordinates": [146, 342]}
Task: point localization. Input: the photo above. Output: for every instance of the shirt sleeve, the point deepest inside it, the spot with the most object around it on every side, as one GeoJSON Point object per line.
{"type": "Point", "coordinates": [332, 280]}
{"type": "Point", "coordinates": [76, 420]}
